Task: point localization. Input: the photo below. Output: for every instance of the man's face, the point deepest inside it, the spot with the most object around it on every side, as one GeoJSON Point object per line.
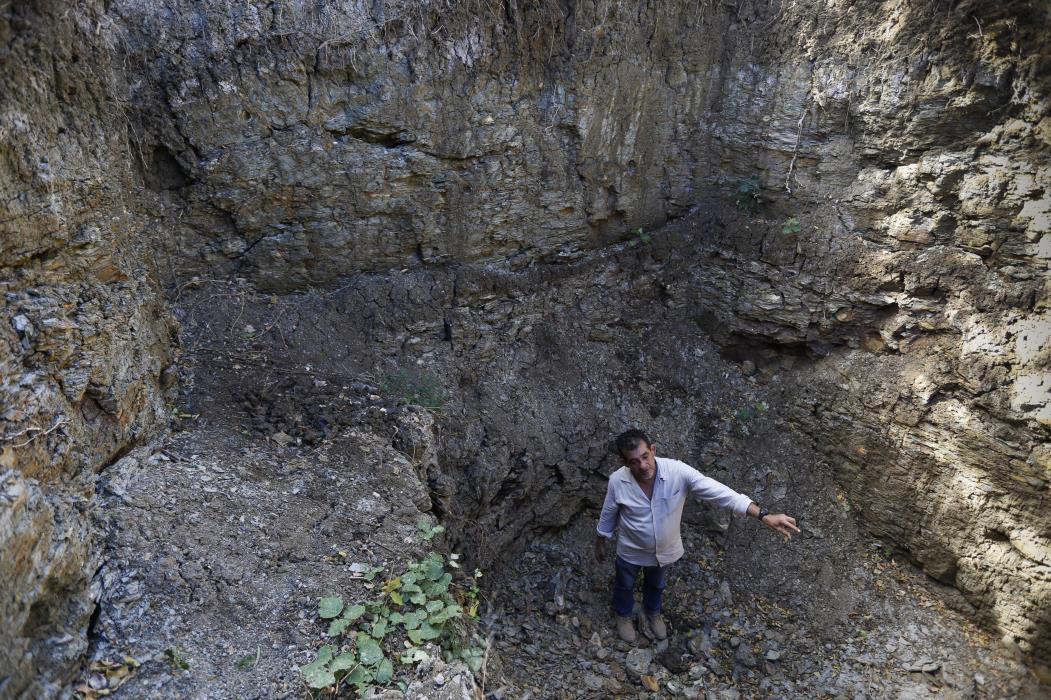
{"type": "Point", "coordinates": [641, 461]}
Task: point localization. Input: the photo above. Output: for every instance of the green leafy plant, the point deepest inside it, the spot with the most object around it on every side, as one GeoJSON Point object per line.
{"type": "Point", "coordinates": [421, 605]}
{"type": "Point", "coordinates": [639, 237]}
{"type": "Point", "coordinates": [176, 659]}
{"type": "Point", "coordinates": [744, 415]}
{"type": "Point", "coordinates": [790, 226]}
{"type": "Point", "coordinates": [418, 387]}
{"type": "Point", "coordinates": [747, 413]}
{"type": "Point", "coordinates": [247, 662]}
{"type": "Point", "coordinates": [427, 531]}
{"type": "Point", "coordinates": [746, 196]}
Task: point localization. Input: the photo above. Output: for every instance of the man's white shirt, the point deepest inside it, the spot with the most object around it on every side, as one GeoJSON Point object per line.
{"type": "Point", "coordinates": [648, 529]}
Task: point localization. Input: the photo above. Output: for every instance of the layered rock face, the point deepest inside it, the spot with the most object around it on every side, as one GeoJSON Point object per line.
{"type": "Point", "coordinates": [865, 206]}
{"type": "Point", "coordinates": [84, 340]}
{"type": "Point", "coordinates": [872, 184]}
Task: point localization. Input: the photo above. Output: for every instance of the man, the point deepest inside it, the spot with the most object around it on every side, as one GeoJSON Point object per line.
{"type": "Point", "coordinates": [644, 501]}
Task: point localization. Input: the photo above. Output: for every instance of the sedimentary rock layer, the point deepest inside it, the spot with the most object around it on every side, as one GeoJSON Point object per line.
{"type": "Point", "coordinates": [872, 182]}
{"type": "Point", "coordinates": [84, 341]}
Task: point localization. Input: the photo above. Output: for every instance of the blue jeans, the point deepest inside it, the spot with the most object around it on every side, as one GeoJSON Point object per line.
{"type": "Point", "coordinates": [653, 584]}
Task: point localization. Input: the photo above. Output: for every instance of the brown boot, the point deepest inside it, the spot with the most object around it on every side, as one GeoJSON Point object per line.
{"type": "Point", "coordinates": [657, 626]}
{"type": "Point", "coordinates": [626, 629]}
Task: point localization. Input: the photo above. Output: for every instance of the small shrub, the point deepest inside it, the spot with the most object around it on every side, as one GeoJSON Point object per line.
{"type": "Point", "coordinates": [420, 605]}
{"type": "Point", "coordinates": [427, 531]}
{"type": "Point", "coordinates": [746, 196]}
{"type": "Point", "coordinates": [790, 226]}
{"type": "Point", "coordinates": [176, 659]}
{"type": "Point", "coordinates": [747, 413]}
{"type": "Point", "coordinates": [640, 238]}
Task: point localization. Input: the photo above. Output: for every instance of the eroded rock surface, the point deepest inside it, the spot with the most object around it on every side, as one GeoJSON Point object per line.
{"type": "Point", "coordinates": [862, 196]}
{"type": "Point", "coordinates": [870, 185]}
{"type": "Point", "coordinates": [84, 339]}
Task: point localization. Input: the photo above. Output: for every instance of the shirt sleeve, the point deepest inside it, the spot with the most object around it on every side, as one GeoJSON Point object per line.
{"type": "Point", "coordinates": [607, 522]}
{"type": "Point", "coordinates": [705, 488]}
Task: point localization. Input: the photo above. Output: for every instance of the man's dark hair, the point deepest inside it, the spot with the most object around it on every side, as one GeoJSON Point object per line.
{"type": "Point", "coordinates": [629, 440]}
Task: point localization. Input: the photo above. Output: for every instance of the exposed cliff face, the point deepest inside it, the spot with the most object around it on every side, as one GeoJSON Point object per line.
{"type": "Point", "coordinates": [921, 280]}
{"type": "Point", "coordinates": [910, 144]}
{"type": "Point", "coordinates": [321, 144]}
{"type": "Point", "coordinates": [84, 340]}
{"type": "Point", "coordinates": [864, 201]}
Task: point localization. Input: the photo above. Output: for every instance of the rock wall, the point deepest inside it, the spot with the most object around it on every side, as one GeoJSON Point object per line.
{"type": "Point", "coordinates": [892, 284]}
{"type": "Point", "coordinates": [870, 182]}
{"type": "Point", "coordinates": [84, 342]}
{"type": "Point", "coordinates": [316, 143]}
{"type": "Point", "coordinates": [863, 191]}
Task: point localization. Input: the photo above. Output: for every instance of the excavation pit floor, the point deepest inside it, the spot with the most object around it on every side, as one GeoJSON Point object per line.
{"type": "Point", "coordinates": [283, 482]}
{"type": "Point", "coordinates": [221, 544]}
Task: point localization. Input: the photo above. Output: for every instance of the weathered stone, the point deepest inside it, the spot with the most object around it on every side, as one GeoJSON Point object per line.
{"type": "Point", "coordinates": [85, 337]}
{"type": "Point", "coordinates": [906, 318]}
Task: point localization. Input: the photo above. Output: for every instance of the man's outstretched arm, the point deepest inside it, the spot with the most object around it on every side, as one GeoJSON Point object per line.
{"type": "Point", "coordinates": [708, 489]}
{"type": "Point", "coordinates": [785, 524]}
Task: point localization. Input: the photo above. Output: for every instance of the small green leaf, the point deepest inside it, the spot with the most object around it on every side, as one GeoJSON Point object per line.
{"type": "Point", "coordinates": [415, 635]}
{"type": "Point", "coordinates": [379, 628]}
{"type": "Point", "coordinates": [330, 607]}
{"type": "Point", "coordinates": [324, 654]}
{"type": "Point", "coordinates": [428, 631]}
{"type": "Point", "coordinates": [473, 656]}
{"type": "Point", "coordinates": [317, 673]}
{"type": "Point", "coordinates": [413, 655]}
{"type": "Point", "coordinates": [385, 672]}
{"type": "Point", "coordinates": [440, 586]}
{"type": "Point", "coordinates": [434, 606]}
{"type": "Point", "coordinates": [343, 662]}
{"type": "Point", "coordinates": [407, 580]}
{"type": "Point", "coordinates": [338, 626]}
{"type": "Point", "coordinates": [319, 677]}
{"type": "Point", "coordinates": [396, 598]}
{"type": "Point", "coordinates": [360, 677]}
{"type": "Point", "coordinates": [411, 588]}
{"type": "Point", "coordinates": [418, 599]}
{"type": "Point", "coordinates": [396, 618]}
{"type": "Point", "coordinates": [354, 612]}
{"type": "Point", "coordinates": [370, 651]}
{"type": "Point", "coordinates": [434, 570]}
{"type": "Point", "coordinates": [412, 620]}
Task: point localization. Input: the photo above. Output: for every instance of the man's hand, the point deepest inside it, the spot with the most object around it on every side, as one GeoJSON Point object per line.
{"type": "Point", "coordinates": [784, 524]}
{"type": "Point", "coordinates": [600, 548]}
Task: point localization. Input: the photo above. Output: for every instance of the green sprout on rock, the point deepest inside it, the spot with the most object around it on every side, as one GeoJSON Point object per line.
{"type": "Point", "coordinates": [640, 238]}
